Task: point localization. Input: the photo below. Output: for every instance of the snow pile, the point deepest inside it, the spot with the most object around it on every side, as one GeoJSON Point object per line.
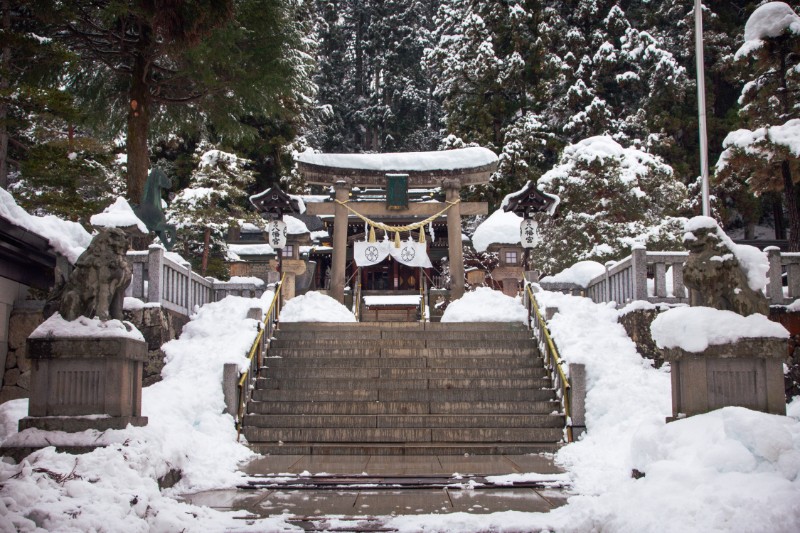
{"type": "Point", "coordinates": [249, 280]}
{"type": "Point", "coordinates": [485, 305]}
{"type": "Point", "coordinates": [115, 488]}
{"type": "Point", "coordinates": [235, 250]}
{"type": "Point", "coordinates": [768, 21]}
{"type": "Point", "coordinates": [118, 215]}
{"type": "Point", "coordinates": [696, 328]}
{"type": "Point", "coordinates": [581, 273]}
{"type": "Point", "coordinates": [67, 238]}
{"type": "Point", "coordinates": [315, 307]}
{"type": "Point", "coordinates": [499, 228]}
{"type": "Point", "coordinates": [83, 327]}
{"type": "Point", "coordinates": [408, 161]}
{"type": "Point", "coordinates": [751, 259]}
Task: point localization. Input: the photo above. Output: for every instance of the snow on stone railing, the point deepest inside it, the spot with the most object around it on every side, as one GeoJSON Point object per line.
{"type": "Point", "coordinates": [657, 277]}
{"type": "Point", "coordinates": [177, 287]}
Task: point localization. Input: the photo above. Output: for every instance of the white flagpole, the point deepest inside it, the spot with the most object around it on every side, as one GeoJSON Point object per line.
{"type": "Point", "coordinates": [701, 102]}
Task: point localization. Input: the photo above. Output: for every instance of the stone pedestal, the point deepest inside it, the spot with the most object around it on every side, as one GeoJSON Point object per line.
{"type": "Point", "coordinates": [85, 383]}
{"type": "Point", "coordinates": [747, 373]}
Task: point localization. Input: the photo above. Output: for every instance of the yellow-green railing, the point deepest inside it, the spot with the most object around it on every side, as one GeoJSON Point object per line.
{"type": "Point", "coordinates": [357, 296]}
{"type": "Point", "coordinates": [423, 303]}
{"type": "Point", "coordinates": [552, 358]}
{"type": "Point", "coordinates": [256, 356]}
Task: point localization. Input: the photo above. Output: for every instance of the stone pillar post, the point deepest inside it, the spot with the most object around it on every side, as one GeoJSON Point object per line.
{"type": "Point", "coordinates": [339, 259]}
{"type": "Point", "coordinates": [454, 244]}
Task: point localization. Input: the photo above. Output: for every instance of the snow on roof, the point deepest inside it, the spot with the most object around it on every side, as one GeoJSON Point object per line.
{"type": "Point", "coordinates": [752, 260]}
{"type": "Point", "coordinates": [295, 226]}
{"type": "Point", "coordinates": [405, 161]}
{"type": "Point", "coordinates": [768, 21]}
{"type": "Point", "coordinates": [550, 211]}
{"type": "Point", "coordinates": [499, 228]}
{"type": "Point", "coordinates": [251, 249]}
{"type": "Point", "coordinates": [581, 273]}
{"type": "Point", "coordinates": [67, 238]}
{"type": "Point", "coordinates": [118, 215]}
{"type": "Point", "coordinates": [696, 328]}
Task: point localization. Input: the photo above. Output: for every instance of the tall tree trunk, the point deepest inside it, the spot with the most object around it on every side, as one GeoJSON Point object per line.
{"type": "Point", "coordinates": [139, 122]}
{"type": "Point", "coordinates": [4, 84]}
{"type": "Point", "coordinates": [777, 216]}
{"type": "Point", "coordinates": [206, 246]}
{"type": "Point", "coordinates": [791, 207]}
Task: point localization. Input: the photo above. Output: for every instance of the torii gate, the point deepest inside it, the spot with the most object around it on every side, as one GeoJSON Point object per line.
{"type": "Point", "coordinates": [449, 169]}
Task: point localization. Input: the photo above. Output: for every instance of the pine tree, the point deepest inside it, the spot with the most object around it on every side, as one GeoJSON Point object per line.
{"type": "Point", "coordinates": [765, 154]}
{"type": "Point", "coordinates": [215, 200]}
{"type": "Point", "coordinates": [611, 198]}
{"type": "Point", "coordinates": [215, 60]}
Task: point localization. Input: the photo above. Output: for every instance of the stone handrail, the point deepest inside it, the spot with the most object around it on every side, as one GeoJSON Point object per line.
{"type": "Point", "coordinates": [176, 287]}
{"type": "Point", "coordinates": [643, 276]}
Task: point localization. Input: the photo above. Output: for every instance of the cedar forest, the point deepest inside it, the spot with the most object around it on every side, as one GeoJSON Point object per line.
{"type": "Point", "coordinates": [221, 93]}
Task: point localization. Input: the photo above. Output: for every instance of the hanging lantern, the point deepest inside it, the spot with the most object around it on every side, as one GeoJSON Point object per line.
{"type": "Point", "coordinates": [528, 233]}
{"type": "Point", "coordinates": [276, 229]}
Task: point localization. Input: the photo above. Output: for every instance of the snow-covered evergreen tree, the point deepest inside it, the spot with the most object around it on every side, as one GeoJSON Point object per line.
{"type": "Point", "coordinates": [611, 198]}
{"type": "Point", "coordinates": [215, 200]}
{"type": "Point", "coordinates": [766, 153]}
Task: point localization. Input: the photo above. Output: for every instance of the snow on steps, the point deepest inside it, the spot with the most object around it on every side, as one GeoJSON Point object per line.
{"type": "Point", "coordinates": [403, 388]}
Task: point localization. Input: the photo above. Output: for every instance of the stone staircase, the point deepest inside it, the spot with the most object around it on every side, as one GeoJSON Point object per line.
{"type": "Point", "coordinates": [403, 388]}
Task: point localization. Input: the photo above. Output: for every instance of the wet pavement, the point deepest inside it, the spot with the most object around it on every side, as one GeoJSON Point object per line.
{"type": "Point", "coordinates": [383, 500]}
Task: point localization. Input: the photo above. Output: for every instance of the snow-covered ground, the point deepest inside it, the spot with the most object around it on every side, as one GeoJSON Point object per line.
{"type": "Point", "coordinates": [729, 470]}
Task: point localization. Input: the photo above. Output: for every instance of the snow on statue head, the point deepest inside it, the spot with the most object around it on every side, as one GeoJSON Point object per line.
{"type": "Point", "coordinates": [713, 272]}
{"type": "Point", "coordinates": [96, 288]}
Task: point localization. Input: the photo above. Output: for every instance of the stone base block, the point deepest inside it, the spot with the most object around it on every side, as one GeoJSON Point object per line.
{"type": "Point", "coordinates": [77, 377]}
{"type": "Point", "coordinates": [748, 373]}
{"type": "Point", "coordinates": [75, 424]}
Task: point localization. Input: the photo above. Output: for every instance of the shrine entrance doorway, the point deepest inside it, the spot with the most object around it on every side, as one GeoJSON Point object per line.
{"type": "Point", "coordinates": [390, 276]}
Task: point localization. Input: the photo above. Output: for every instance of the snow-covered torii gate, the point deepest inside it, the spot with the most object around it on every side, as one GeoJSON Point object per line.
{"type": "Point", "coordinates": [449, 169]}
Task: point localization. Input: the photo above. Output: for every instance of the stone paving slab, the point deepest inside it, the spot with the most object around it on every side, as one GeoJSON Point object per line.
{"type": "Point", "coordinates": [316, 503]}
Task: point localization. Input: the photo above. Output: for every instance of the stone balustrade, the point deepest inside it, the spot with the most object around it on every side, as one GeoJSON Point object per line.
{"type": "Point", "coordinates": [657, 277]}
{"type": "Point", "coordinates": [175, 286]}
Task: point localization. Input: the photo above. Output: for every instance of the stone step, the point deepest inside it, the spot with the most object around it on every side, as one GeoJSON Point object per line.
{"type": "Point", "coordinates": [410, 407]}
{"type": "Point", "coordinates": [392, 383]}
{"type": "Point", "coordinates": [329, 361]}
{"type": "Point", "coordinates": [335, 335]}
{"type": "Point", "coordinates": [404, 395]}
{"type": "Point", "coordinates": [408, 326]}
{"type": "Point", "coordinates": [355, 342]}
{"type": "Point", "coordinates": [299, 372]}
{"type": "Point", "coordinates": [452, 448]}
{"type": "Point", "coordinates": [432, 435]}
{"type": "Point", "coordinates": [404, 362]}
{"type": "Point", "coordinates": [463, 421]}
{"type": "Point", "coordinates": [312, 352]}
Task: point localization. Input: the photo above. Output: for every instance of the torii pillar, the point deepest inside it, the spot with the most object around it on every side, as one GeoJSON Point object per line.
{"type": "Point", "coordinates": [452, 189]}
{"type": "Point", "coordinates": [339, 259]}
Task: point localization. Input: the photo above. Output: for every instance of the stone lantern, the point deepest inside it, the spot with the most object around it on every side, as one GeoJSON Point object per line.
{"type": "Point", "coordinates": [273, 204]}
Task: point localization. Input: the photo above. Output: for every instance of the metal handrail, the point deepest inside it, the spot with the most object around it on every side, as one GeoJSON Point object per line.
{"type": "Point", "coordinates": [422, 302]}
{"type": "Point", "coordinates": [553, 360]}
{"type": "Point", "coordinates": [357, 297]}
{"type": "Point", "coordinates": [255, 358]}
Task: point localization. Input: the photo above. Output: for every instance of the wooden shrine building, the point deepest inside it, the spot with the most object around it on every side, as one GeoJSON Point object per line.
{"type": "Point", "coordinates": [395, 176]}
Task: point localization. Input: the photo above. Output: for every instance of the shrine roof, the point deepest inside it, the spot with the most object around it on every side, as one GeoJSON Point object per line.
{"type": "Point", "coordinates": [425, 169]}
